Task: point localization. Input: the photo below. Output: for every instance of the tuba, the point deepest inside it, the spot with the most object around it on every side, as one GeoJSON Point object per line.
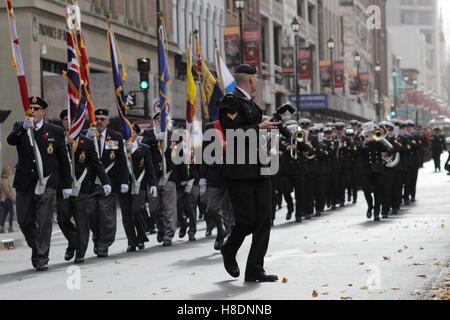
{"type": "Point", "coordinates": [391, 161]}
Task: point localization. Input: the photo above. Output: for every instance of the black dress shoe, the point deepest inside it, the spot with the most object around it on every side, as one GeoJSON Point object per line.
{"type": "Point", "coordinates": [369, 213]}
{"type": "Point", "coordinates": [230, 264]}
{"type": "Point", "coordinates": [407, 202]}
{"type": "Point", "coordinates": [413, 200]}
{"type": "Point", "coordinates": [167, 243]}
{"type": "Point", "coordinates": [377, 219]}
{"type": "Point", "coordinates": [208, 234]}
{"type": "Point", "coordinates": [131, 249]}
{"type": "Point", "coordinates": [182, 233]}
{"type": "Point", "coordinates": [262, 277]}
{"type": "Point", "coordinates": [218, 244]}
{"type": "Point", "coordinates": [141, 246]}
{"type": "Point", "coordinates": [79, 260]}
{"type": "Point", "coordinates": [42, 267]}
{"type": "Point", "coordinates": [394, 211]}
{"type": "Point", "coordinates": [69, 254]}
{"type": "Point", "coordinates": [95, 249]}
{"type": "Point", "coordinates": [385, 216]}
{"type": "Point", "coordinates": [102, 255]}
{"type": "Point", "coordinates": [192, 239]}
{"type": "Point", "coordinates": [289, 215]}
{"type": "Point", "coordinates": [160, 237]}
{"type": "Point", "coordinates": [298, 220]}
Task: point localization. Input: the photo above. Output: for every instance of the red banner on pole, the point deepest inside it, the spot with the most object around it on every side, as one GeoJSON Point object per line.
{"type": "Point", "coordinates": [411, 97]}
{"type": "Point", "coordinates": [251, 39]}
{"type": "Point", "coordinates": [426, 103]}
{"type": "Point", "coordinates": [364, 79]}
{"type": "Point", "coordinates": [419, 99]}
{"type": "Point", "coordinates": [339, 75]}
{"type": "Point", "coordinates": [325, 73]}
{"type": "Point", "coordinates": [304, 66]}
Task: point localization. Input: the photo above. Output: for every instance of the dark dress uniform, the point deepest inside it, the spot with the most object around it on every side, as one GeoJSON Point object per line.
{"type": "Point", "coordinates": [132, 204]}
{"type": "Point", "coordinates": [187, 202]}
{"type": "Point", "coordinates": [372, 180]}
{"type": "Point", "coordinates": [399, 173]}
{"type": "Point", "coordinates": [412, 168]}
{"type": "Point", "coordinates": [250, 192]}
{"type": "Point", "coordinates": [326, 164]}
{"type": "Point", "coordinates": [437, 148]}
{"type": "Point", "coordinates": [345, 153]}
{"type": "Point", "coordinates": [312, 178]}
{"type": "Point", "coordinates": [34, 213]}
{"type": "Point", "coordinates": [102, 209]}
{"type": "Point", "coordinates": [86, 166]}
{"type": "Point", "coordinates": [286, 184]}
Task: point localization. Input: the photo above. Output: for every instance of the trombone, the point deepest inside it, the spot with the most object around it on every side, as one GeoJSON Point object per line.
{"type": "Point", "coordinates": [298, 137]}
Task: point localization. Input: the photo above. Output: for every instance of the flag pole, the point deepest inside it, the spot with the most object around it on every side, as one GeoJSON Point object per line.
{"type": "Point", "coordinates": [219, 66]}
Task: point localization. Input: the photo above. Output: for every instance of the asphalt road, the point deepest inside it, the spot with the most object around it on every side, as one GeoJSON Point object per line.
{"type": "Point", "coordinates": [340, 255]}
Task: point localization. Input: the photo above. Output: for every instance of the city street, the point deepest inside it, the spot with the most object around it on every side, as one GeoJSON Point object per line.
{"type": "Point", "coordinates": [340, 255]}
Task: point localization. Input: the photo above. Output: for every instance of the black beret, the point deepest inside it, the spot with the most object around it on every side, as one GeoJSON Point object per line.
{"type": "Point", "coordinates": [101, 112]}
{"type": "Point", "coordinates": [157, 114]}
{"type": "Point", "coordinates": [246, 69]}
{"type": "Point", "coordinates": [63, 114]}
{"type": "Point", "coordinates": [136, 128]}
{"type": "Point", "coordinates": [39, 102]}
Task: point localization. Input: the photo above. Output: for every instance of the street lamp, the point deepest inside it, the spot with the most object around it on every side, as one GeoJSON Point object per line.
{"type": "Point", "coordinates": [378, 70]}
{"type": "Point", "coordinates": [357, 59]}
{"type": "Point", "coordinates": [295, 25]}
{"type": "Point", "coordinates": [331, 48]}
{"type": "Point", "coordinates": [239, 4]}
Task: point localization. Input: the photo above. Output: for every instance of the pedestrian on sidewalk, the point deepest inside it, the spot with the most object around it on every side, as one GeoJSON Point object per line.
{"type": "Point", "coordinates": [7, 199]}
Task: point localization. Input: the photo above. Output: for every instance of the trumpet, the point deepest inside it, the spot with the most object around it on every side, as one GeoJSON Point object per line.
{"type": "Point", "coordinates": [379, 135]}
{"type": "Point", "coordinates": [298, 137]}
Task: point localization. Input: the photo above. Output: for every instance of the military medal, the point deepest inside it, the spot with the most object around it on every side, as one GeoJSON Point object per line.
{"type": "Point", "coordinates": [82, 157]}
{"type": "Point", "coordinates": [50, 149]}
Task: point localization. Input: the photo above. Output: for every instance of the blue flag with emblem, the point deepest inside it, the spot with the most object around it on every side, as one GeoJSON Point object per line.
{"type": "Point", "coordinates": [118, 87]}
{"type": "Point", "coordinates": [165, 79]}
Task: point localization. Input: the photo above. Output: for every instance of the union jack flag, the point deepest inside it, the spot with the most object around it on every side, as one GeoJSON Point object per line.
{"type": "Point", "coordinates": [77, 96]}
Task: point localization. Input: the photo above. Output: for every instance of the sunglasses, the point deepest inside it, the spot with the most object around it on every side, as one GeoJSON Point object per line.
{"type": "Point", "coordinates": [101, 119]}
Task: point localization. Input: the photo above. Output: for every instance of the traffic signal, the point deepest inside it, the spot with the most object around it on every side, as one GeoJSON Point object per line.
{"type": "Point", "coordinates": [393, 112]}
{"type": "Point", "coordinates": [144, 73]}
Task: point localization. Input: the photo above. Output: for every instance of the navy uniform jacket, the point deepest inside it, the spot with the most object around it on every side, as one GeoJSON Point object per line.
{"type": "Point", "coordinates": [412, 156]}
{"type": "Point", "coordinates": [372, 152]}
{"type": "Point", "coordinates": [51, 144]}
{"type": "Point", "coordinates": [86, 158]}
{"type": "Point", "coordinates": [298, 167]}
{"type": "Point", "coordinates": [237, 112]}
{"type": "Point", "coordinates": [142, 160]}
{"type": "Point", "coordinates": [114, 153]}
{"type": "Point", "coordinates": [345, 153]}
{"type": "Point", "coordinates": [437, 143]}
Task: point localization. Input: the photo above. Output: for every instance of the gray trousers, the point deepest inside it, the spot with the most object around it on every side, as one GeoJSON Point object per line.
{"type": "Point", "coordinates": [34, 215]}
{"type": "Point", "coordinates": [103, 219]}
{"type": "Point", "coordinates": [164, 207]}
{"type": "Point", "coordinates": [187, 209]}
{"type": "Point", "coordinates": [134, 217]}
{"type": "Point", "coordinates": [220, 209]}
{"type": "Point", "coordinates": [77, 234]}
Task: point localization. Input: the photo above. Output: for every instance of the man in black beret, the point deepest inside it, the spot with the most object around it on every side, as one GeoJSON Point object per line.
{"type": "Point", "coordinates": [41, 151]}
{"type": "Point", "coordinates": [86, 165]}
{"type": "Point", "coordinates": [102, 208]}
{"type": "Point", "coordinates": [249, 191]}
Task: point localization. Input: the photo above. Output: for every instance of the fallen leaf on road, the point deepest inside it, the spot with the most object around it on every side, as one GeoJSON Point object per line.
{"type": "Point", "coordinates": [193, 274]}
{"type": "Point", "coordinates": [421, 248]}
{"type": "Point", "coordinates": [350, 285]}
{"type": "Point", "coordinates": [90, 281]}
{"type": "Point", "coordinates": [365, 288]}
{"type": "Point", "coordinates": [315, 294]}
{"type": "Point", "coordinates": [406, 247]}
{"type": "Point", "coordinates": [438, 264]}
{"type": "Point", "coordinates": [134, 265]}
{"type": "Point", "coordinates": [361, 263]}
{"type": "Point", "coordinates": [285, 280]}
{"type": "Point", "coordinates": [418, 264]}
{"type": "Point", "coordinates": [386, 258]}
{"type": "Point", "coordinates": [400, 251]}
{"type": "Point", "coordinates": [442, 226]}
{"type": "Point", "coordinates": [116, 262]}
{"type": "Point", "coordinates": [343, 291]}
{"type": "Point", "coordinates": [395, 289]}
{"type": "Point", "coordinates": [315, 251]}
{"type": "Point", "coordinates": [163, 288]}
{"type": "Point", "coordinates": [410, 257]}
{"type": "Point", "coordinates": [422, 276]}
{"type": "Point", "coordinates": [325, 293]}
{"type": "Point", "coordinates": [325, 285]}
{"type": "Point", "coordinates": [368, 270]}
{"type": "Point", "coordinates": [228, 295]}
{"type": "Point", "coordinates": [108, 291]}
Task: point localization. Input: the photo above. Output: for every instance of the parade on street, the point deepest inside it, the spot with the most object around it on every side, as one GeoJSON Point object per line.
{"type": "Point", "coordinates": [225, 150]}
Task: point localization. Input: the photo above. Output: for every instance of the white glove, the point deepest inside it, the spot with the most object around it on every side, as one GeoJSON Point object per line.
{"type": "Point", "coordinates": [66, 193]}
{"type": "Point", "coordinates": [183, 183]}
{"type": "Point", "coordinates": [153, 192]}
{"type": "Point", "coordinates": [202, 183]}
{"type": "Point", "coordinates": [161, 136]}
{"type": "Point", "coordinates": [28, 123]}
{"type": "Point", "coordinates": [107, 189]}
{"type": "Point", "coordinates": [124, 188]}
{"type": "Point", "coordinates": [92, 133]}
{"type": "Point", "coordinates": [67, 141]}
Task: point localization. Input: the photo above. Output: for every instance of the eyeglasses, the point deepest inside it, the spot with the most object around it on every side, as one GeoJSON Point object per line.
{"type": "Point", "coordinates": [101, 119]}
{"type": "Point", "coordinates": [36, 108]}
